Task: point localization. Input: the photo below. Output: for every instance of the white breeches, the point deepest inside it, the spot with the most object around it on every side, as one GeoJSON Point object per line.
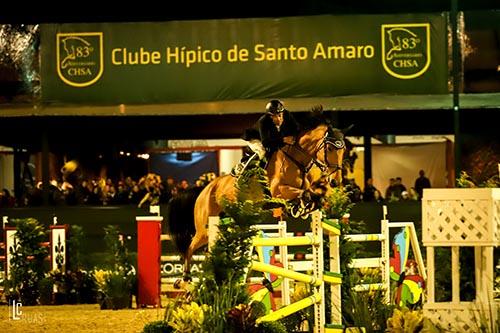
{"type": "Point", "coordinates": [257, 147]}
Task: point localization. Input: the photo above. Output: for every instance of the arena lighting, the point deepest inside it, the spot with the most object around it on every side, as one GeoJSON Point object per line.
{"type": "Point", "coordinates": [184, 156]}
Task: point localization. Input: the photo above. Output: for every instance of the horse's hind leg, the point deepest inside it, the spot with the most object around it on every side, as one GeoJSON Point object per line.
{"type": "Point", "coordinates": [198, 241]}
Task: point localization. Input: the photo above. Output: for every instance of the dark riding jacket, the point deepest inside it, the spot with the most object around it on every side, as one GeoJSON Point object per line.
{"type": "Point", "coordinates": [271, 136]}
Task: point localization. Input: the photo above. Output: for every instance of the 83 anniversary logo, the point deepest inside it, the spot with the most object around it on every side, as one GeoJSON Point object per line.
{"type": "Point", "coordinates": [406, 49]}
{"type": "Point", "coordinates": [80, 58]}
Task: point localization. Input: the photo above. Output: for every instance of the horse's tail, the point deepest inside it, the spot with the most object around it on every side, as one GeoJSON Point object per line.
{"type": "Point", "coordinates": [180, 217]}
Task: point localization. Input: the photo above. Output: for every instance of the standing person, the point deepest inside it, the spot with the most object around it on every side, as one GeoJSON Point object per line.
{"type": "Point", "coordinates": [276, 128]}
{"type": "Point", "coordinates": [420, 183]}
{"type": "Point", "coordinates": [389, 192]}
{"type": "Point", "coordinates": [369, 191]}
{"type": "Point", "coordinates": [398, 189]}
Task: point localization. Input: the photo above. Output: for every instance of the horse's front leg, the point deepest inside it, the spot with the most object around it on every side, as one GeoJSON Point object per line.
{"type": "Point", "coordinates": [289, 192]}
{"type": "Point", "coordinates": [303, 202]}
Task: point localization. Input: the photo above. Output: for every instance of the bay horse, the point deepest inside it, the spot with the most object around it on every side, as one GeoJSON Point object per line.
{"type": "Point", "coordinates": [294, 172]}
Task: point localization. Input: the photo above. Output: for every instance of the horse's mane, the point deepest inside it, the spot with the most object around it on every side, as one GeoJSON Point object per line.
{"type": "Point", "coordinates": [313, 119]}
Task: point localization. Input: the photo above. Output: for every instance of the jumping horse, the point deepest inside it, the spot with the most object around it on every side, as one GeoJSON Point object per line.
{"type": "Point", "coordinates": [294, 173]}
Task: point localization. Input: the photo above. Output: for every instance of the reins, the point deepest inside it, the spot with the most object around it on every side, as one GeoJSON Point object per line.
{"type": "Point", "coordinates": [305, 167]}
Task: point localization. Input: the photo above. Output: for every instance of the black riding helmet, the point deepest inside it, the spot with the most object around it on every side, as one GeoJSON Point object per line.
{"type": "Point", "coordinates": [274, 107]}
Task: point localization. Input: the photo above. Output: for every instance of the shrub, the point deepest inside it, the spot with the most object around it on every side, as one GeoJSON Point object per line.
{"type": "Point", "coordinates": [114, 288]}
{"type": "Point", "coordinates": [158, 326]}
{"type": "Point", "coordinates": [271, 327]}
{"type": "Point", "coordinates": [75, 247]}
{"type": "Point", "coordinates": [27, 263]}
{"type": "Point", "coordinates": [74, 287]}
{"type": "Point", "coordinates": [45, 286]}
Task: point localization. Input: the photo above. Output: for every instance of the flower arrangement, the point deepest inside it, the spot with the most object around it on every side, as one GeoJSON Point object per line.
{"type": "Point", "coordinates": [71, 287]}
{"type": "Point", "coordinates": [115, 287]}
{"type": "Point", "coordinates": [188, 318]}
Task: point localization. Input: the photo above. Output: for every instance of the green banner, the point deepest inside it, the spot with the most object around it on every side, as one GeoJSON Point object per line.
{"type": "Point", "coordinates": [214, 60]}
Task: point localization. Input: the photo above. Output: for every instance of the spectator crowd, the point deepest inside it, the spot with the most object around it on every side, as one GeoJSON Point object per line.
{"type": "Point", "coordinates": [396, 191]}
{"type": "Point", "coordinates": [148, 190]}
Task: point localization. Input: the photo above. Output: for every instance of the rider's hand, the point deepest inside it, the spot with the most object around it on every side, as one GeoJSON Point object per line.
{"type": "Point", "coordinates": [289, 140]}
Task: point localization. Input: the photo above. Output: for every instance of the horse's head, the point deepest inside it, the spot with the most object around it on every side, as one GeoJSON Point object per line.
{"type": "Point", "coordinates": [333, 148]}
{"type": "Point", "coordinates": [327, 146]}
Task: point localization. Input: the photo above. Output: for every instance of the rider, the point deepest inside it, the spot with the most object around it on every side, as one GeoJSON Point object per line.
{"type": "Point", "coordinates": [276, 128]}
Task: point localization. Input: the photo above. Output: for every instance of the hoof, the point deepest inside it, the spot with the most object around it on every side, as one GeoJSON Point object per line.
{"type": "Point", "coordinates": [178, 284]}
{"type": "Point", "coordinates": [302, 210]}
{"type": "Point", "coordinates": [295, 211]}
{"type": "Point", "coordinates": [182, 284]}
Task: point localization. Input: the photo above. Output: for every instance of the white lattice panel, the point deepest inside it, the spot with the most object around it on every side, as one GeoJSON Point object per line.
{"type": "Point", "coordinates": [461, 217]}
{"type": "Point", "coordinates": [464, 317]}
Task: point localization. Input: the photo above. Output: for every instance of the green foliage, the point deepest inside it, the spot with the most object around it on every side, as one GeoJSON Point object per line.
{"type": "Point", "coordinates": [27, 263]}
{"type": "Point", "coordinates": [118, 253]}
{"type": "Point", "coordinates": [158, 326]}
{"type": "Point", "coordinates": [348, 251]}
{"type": "Point", "coordinates": [75, 247]}
{"type": "Point", "coordinates": [335, 206]}
{"type": "Point", "coordinates": [271, 327]}
{"type": "Point", "coordinates": [467, 181]}
{"type": "Point", "coordinates": [366, 309]}
{"type": "Point", "coordinates": [117, 289]}
{"type": "Point", "coordinates": [74, 287]}
{"type": "Point", "coordinates": [358, 309]}
{"type": "Point", "coordinates": [117, 285]}
{"type": "Point", "coordinates": [221, 298]}
{"type": "Point", "coordinates": [336, 203]}
{"type": "Point", "coordinates": [481, 162]}
{"type": "Point", "coordinates": [45, 286]}
{"type": "Point", "coordinates": [188, 318]}
{"type": "Point", "coordinates": [485, 322]}
{"type": "Point", "coordinates": [407, 321]}
{"type": "Point", "coordinates": [242, 318]}
{"type": "Point", "coordinates": [222, 284]}
{"type": "Point", "coordinates": [443, 274]}
{"type": "Point", "coordinates": [294, 322]}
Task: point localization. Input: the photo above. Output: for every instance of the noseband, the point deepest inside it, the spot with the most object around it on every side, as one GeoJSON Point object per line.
{"type": "Point", "coordinates": [336, 142]}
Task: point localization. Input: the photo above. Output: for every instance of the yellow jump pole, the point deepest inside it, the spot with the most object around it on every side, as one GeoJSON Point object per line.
{"type": "Point", "coordinates": [365, 237]}
{"type": "Point", "coordinates": [266, 268]}
{"type": "Point", "coordinates": [289, 241]}
{"type": "Point", "coordinates": [331, 227]}
{"type": "Point", "coordinates": [292, 308]}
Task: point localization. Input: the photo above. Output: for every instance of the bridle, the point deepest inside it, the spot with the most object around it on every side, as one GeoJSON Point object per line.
{"type": "Point", "coordinates": [336, 142]}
